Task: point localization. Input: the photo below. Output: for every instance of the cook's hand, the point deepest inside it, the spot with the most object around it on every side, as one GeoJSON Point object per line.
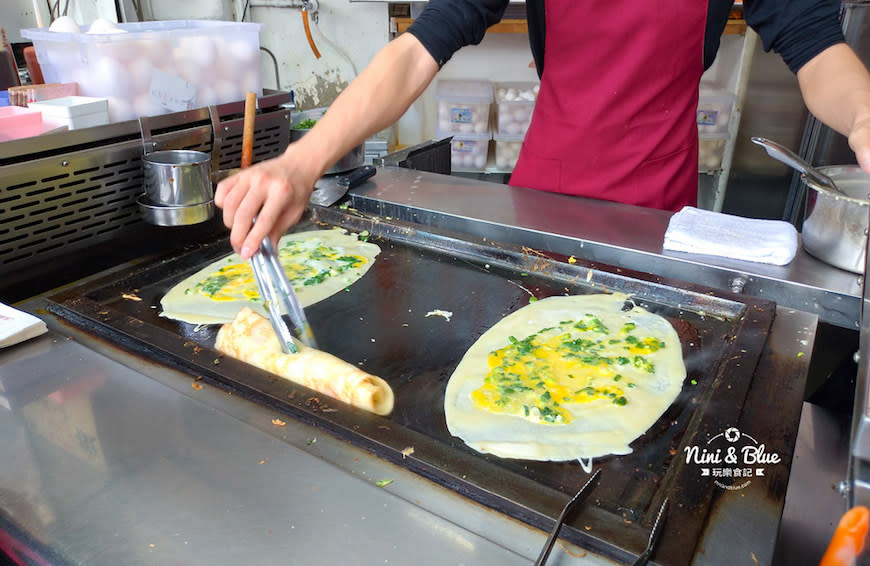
{"type": "Point", "coordinates": [275, 191]}
{"type": "Point", "coordinates": [859, 141]}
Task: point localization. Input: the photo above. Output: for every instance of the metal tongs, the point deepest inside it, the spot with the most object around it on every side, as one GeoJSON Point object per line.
{"type": "Point", "coordinates": [654, 535]}
{"type": "Point", "coordinates": [274, 287]}
{"type": "Point", "coordinates": [278, 295]}
{"type": "Point", "coordinates": [641, 560]}
{"type": "Point", "coordinates": [569, 507]}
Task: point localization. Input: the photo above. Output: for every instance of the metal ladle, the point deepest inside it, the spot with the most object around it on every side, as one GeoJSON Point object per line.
{"type": "Point", "coordinates": [790, 158]}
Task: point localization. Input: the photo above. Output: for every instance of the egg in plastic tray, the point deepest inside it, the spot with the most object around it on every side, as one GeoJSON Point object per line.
{"type": "Point", "coordinates": [468, 152]}
{"type": "Point", "coordinates": [514, 104]}
{"type": "Point", "coordinates": [711, 149]}
{"type": "Point", "coordinates": [507, 150]}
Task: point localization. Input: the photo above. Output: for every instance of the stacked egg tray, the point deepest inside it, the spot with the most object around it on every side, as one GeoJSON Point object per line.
{"type": "Point", "coordinates": [475, 112]}
{"type": "Point", "coordinates": [514, 103]}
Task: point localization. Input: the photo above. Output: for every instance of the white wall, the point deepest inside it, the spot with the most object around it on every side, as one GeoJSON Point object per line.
{"type": "Point", "coordinates": [17, 14]}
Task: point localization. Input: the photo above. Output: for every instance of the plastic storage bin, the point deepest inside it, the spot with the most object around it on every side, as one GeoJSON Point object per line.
{"type": "Point", "coordinates": [514, 103]}
{"type": "Point", "coordinates": [714, 112]}
{"type": "Point", "coordinates": [711, 148]}
{"type": "Point", "coordinates": [463, 106]}
{"type": "Point", "coordinates": [468, 152]}
{"type": "Point", "coordinates": [73, 112]}
{"type": "Point", "coordinates": [507, 150]}
{"type": "Point", "coordinates": [19, 122]}
{"type": "Point", "coordinates": [155, 67]}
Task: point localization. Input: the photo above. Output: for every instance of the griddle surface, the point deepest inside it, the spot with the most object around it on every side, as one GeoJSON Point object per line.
{"type": "Point", "coordinates": [381, 323]}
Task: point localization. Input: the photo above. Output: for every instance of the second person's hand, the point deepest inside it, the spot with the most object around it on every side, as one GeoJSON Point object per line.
{"type": "Point", "coordinates": [274, 191]}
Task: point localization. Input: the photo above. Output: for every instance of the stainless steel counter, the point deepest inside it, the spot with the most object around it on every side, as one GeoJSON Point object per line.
{"type": "Point", "coordinates": [610, 233]}
{"type": "Point", "coordinates": [110, 459]}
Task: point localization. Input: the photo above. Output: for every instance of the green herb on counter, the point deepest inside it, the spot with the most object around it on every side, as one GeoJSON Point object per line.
{"type": "Point", "coordinates": [305, 124]}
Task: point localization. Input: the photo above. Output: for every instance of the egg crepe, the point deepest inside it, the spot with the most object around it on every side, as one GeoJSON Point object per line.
{"type": "Point", "coordinates": [318, 264]}
{"type": "Point", "coordinates": [251, 339]}
{"type": "Point", "coordinates": [565, 378]}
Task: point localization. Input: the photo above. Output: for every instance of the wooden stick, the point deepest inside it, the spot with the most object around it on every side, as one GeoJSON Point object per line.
{"type": "Point", "coordinates": [248, 129]}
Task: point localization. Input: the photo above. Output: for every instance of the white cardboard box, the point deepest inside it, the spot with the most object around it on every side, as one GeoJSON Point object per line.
{"type": "Point", "coordinates": [73, 111]}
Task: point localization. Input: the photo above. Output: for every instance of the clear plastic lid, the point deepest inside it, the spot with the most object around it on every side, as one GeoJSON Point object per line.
{"type": "Point", "coordinates": [469, 91]}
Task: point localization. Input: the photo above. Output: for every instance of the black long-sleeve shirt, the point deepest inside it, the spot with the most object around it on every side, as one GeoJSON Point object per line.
{"type": "Point", "coordinates": [796, 29]}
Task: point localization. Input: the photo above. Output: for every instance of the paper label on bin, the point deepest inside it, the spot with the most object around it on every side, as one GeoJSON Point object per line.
{"type": "Point", "coordinates": [708, 117]}
{"type": "Point", "coordinates": [171, 91]}
{"type": "Point", "coordinates": [460, 115]}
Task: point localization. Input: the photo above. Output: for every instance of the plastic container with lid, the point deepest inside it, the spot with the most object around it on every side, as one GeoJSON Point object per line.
{"type": "Point", "coordinates": [514, 103]}
{"type": "Point", "coordinates": [463, 106]}
{"type": "Point", "coordinates": [468, 152]}
{"type": "Point", "coordinates": [711, 148]}
{"type": "Point", "coordinates": [714, 111]}
{"type": "Point", "coordinates": [149, 68]}
{"type": "Point", "coordinates": [507, 150]}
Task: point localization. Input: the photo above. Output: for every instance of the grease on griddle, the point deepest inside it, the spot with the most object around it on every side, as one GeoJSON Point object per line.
{"type": "Point", "coordinates": [315, 404]}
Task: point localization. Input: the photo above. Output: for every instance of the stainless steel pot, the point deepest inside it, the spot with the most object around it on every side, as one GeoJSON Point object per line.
{"type": "Point", "coordinates": [178, 177]}
{"type": "Point", "coordinates": [835, 226]}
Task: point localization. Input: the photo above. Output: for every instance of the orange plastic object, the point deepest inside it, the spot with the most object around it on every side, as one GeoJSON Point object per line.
{"type": "Point", "coordinates": [308, 33]}
{"type": "Point", "coordinates": [33, 67]}
{"type": "Point", "coordinates": [848, 540]}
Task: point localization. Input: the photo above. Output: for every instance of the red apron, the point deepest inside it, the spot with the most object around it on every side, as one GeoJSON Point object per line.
{"type": "Point", "coordinates": [615, 117]}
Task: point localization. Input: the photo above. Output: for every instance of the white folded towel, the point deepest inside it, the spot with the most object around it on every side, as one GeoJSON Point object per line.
{"type": "Point", "coordinates": [17, 326]}
{"type": "Point", "coordinates": [714, 233]}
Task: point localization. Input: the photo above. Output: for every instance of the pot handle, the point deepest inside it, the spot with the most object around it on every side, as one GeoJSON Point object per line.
{"type": "Point", "coordinates": [216, 139]}
{"type": "Point", "coordinates": [793, 160]}
{"type": "Point", "coordinates": [148, 145]}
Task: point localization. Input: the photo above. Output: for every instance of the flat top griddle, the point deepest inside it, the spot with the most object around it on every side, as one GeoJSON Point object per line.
{"type": "Point", "coordinates": [380, 323]}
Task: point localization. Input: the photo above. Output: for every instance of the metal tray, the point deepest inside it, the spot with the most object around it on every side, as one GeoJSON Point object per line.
{"type": "Point", "coordinates": [380, 322]}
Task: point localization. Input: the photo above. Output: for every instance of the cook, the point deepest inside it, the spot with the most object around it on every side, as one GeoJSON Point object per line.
{"type": "Point", "coordinates": [615, 117]}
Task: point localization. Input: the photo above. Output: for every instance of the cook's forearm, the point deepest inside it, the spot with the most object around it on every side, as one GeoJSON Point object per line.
{"type": "Point", "coordinates": [836, 87]}
{"type": "Point", "coordinates": [377, 98]}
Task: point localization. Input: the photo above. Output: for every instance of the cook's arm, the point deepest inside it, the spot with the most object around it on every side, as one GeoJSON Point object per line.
{"type": "Point", "coordinates": [836, 88]}
{"type": "Point", "coordinates": [277, 190]}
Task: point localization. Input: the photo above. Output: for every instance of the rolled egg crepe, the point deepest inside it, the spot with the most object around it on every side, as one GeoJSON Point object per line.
{"type": "Point", "coordinates": [251, 339]}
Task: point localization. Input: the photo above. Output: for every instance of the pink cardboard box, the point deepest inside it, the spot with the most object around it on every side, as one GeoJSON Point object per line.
{"type": "Point", "coordinates": [18, 122]}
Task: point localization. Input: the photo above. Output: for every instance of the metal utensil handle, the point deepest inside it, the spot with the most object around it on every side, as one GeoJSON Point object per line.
{"type": "Point", "coordinates": [261, 269]}
{"type": "Point", "coordinates": [551, 540]}
{"type": "Point", "coordinates": [357, 176]}
{"type": "Point", "coordinates": [654, 534]}
{"type": "Point", "coordinates": [216, 138]}
{"type": "Point", "coordinates": [287, 296]}
{"type": "Point", "coordinates": [148, 144]}
{"type": "Point", "coordinates": [790, 158]}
